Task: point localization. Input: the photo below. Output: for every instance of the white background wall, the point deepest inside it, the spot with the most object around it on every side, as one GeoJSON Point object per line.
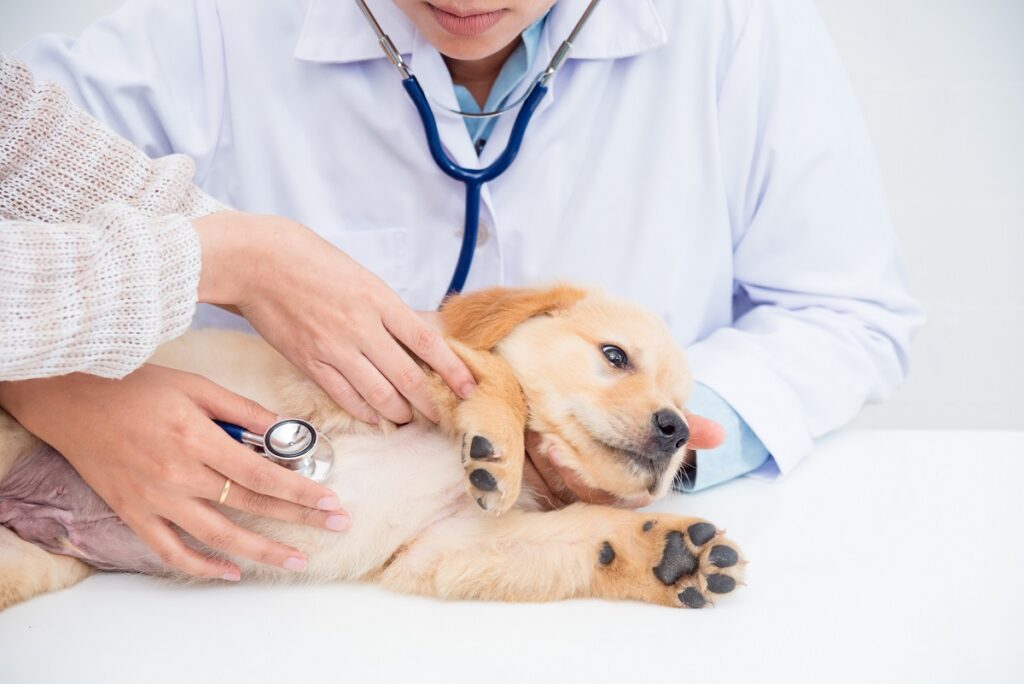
{"type": "Point", "coordinates": [942, 86]}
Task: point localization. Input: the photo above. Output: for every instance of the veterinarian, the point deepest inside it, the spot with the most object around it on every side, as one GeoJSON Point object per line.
{"type": "Point", "coordinates": [704, 158]}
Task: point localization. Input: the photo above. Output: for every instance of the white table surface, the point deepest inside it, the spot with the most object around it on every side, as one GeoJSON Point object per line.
{"type": "Point", "coordinates": [885, 557]}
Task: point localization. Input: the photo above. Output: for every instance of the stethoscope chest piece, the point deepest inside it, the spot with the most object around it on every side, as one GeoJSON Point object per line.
{"type": "Point", "coordinates": [291, 443]}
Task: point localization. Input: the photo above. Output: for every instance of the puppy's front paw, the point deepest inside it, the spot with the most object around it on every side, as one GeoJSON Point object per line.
{"type": "Point", "coordinates": [494, 470]}
{"type": "Point", "coordinates": [673, 561]}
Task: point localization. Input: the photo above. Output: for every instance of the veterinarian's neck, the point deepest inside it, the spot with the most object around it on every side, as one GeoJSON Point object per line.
{"type": "Point", "coordinates": [478, 75]}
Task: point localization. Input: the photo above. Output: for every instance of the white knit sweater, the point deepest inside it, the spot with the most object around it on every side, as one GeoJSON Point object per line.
{"type": "Point", "coordinates": [99, 262]}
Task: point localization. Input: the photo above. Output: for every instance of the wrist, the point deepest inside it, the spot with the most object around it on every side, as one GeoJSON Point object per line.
{"type": "Point", "coordinates": [223, 276]}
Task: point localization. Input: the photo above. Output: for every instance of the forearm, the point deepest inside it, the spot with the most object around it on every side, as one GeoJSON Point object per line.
{"type": "Point", "coordinates": [96, 297]}
{"type": "Point", "coordinates": [99, 261]}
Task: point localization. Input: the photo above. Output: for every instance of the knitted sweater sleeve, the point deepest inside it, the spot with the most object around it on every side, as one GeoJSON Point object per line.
{"type": "Point", "coordinates": [99, 262]}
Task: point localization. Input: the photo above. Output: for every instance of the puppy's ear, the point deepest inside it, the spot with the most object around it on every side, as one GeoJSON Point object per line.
{"type": "Point", "coordinates": [482, 319]}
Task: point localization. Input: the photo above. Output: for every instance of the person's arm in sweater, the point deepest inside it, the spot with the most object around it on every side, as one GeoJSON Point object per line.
{"type": "Point", "coordinates": [99, 262]}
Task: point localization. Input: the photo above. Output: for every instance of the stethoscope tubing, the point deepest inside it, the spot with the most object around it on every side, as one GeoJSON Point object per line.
{"type": "Point", "coordinates": [243, 436]}
{"type": "Point", "coordinates": [239, 433]}
{"type": "Point", "coordinates": [473, 179]}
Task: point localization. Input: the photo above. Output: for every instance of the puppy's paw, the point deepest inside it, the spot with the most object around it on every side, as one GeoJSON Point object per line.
{"type": "Point", "coordinates": [672, 561]}
{"type": "Point", "coordinates": [494, 470]}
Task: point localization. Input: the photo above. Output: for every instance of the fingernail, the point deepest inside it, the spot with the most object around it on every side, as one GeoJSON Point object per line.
{"type": "Point", "coordinates": [466, 391]}
{"type": "Point", "coordinates": [294, 563]}
{"type": "Point", "coordinates": [328, 503]}
{"type": "Point", "coordinates": [554, 457]}
{"type": "Point", "coordinates": [373, 419]}
{"type": "Point", "coordinates": [231, 576]}
{"type": "Point", "coordinates": [338, 523]}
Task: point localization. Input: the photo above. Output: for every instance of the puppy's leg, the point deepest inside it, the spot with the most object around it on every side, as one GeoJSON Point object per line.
{"type": "Point", "coordinates": [491, 425]}
{"type": "Point", "coordinates": [26, 570]}
{"type": "Point", "coordinates": [581, 551]}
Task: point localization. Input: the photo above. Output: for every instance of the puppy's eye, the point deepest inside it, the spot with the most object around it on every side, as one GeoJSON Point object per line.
{"type": "Point", "coordinates": [615, 356]}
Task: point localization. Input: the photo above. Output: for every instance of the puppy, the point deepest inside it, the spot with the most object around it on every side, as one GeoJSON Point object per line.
{"type": "Point", "coordinates": [443, 510]}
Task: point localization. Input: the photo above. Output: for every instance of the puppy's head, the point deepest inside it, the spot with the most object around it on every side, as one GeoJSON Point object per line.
{"type": "Point", "coordinates": [604, 380]}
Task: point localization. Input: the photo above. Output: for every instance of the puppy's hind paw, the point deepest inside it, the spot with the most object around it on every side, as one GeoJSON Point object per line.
{"type": "Point", "coordinates": [673, 561]}
{"type": "Point", "coordinates": [493, 472]}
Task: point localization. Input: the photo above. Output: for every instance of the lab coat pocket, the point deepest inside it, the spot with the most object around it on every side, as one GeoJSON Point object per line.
{"type": "Point", "coordinates": [380, 250]}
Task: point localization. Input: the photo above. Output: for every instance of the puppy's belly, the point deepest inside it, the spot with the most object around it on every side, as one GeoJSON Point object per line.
{"type": "Point", "coordinates": [46, 502]}
{"type": "Point", "coordinates": [394, 487]}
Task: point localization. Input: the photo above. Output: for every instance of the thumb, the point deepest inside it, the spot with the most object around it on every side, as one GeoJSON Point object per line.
{"type": "Point", "coordinates": [225, 405]}
{"type": "Point", "coordinates": [704, 433]}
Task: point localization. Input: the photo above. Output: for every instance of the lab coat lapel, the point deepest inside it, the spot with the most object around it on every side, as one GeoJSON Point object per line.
{"type": "Point", "coordinates": [617, 28]}
{"type": "Point", "coordinates": [433, 75]}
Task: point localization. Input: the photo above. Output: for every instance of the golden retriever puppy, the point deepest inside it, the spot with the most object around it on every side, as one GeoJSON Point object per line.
{"type": "Point", "coordinates": [443, 510]}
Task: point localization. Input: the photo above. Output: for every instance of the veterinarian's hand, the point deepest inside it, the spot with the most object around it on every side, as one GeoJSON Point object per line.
{"type": "Point", "coordinates": [338, 322]}
{"type": "Point", "coordinates": [147, 445]}
{"type": "Point", "coordinates": [561, 486]}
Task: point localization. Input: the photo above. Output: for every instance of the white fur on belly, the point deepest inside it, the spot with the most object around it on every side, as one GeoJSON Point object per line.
{"type": "Point", "coordinates": [394, 487]}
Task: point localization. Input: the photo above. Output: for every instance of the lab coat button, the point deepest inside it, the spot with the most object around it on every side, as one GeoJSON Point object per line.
{"type": "Point", "coordinates": [483, 234]}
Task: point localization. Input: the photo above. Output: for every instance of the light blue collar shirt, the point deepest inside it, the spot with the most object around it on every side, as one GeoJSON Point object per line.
{"type": "Point", "coordinates": [516, 68]}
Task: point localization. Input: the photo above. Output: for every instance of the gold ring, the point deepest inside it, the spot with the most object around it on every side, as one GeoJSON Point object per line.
{"type": "Point", "coordinates": [224, 492]}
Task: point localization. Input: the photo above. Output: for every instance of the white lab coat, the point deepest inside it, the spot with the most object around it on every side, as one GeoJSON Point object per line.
{"type": "Point", "coordinates": [703, 157]}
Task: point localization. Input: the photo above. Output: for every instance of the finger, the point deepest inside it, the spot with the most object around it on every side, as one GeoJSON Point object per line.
{"type": "Point", "coordinates": [260, 475]}
{"type": "Point", "coordinates": [223, 536]}
{"type": "Point", "coordinates": [426, 342]}
{"type": "Point", "coordinates": [157, 534]}
{"type": "Point", "coordinates": [375, 388]}
{"type": "Point", "coordinates": [343, 393]}
{"type": "Point", "coordinates": [547, 472]}
{"type": "Point", "coordinates": [704, 432]}
{"type": "Point", "coordinates": [432, 318]}
{"type": "Point", "coordinates": [244, 499]}
{"type": "Point", "coordinates": [223, 404]}
{"type": "Point", "coordinates": [404, 374]}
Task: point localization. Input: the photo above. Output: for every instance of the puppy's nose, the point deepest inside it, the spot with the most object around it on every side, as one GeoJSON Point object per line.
{"type": "Point", "coordinates": [670, 431]}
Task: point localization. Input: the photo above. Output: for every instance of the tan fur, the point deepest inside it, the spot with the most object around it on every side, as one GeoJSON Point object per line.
{"type": "Point", "coordinates": [417, 519]}
{"type": "Point", "coordinates": [487, 317]}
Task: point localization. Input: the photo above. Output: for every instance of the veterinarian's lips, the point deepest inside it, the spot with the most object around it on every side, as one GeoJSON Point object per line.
{"type": "Point", "coordinates": [465, 24]}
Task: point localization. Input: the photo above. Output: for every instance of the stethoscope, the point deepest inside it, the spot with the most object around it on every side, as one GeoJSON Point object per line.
{"type": "Point", "coordinates": [290, 442]}
{"type": "Point", "coordinates": [474, 178]}
{"type": "Point", "coordinates": [294, 443]}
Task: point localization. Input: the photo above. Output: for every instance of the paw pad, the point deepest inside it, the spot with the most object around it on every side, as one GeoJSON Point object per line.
{"type": "Point", "coordinates": [701, 533]}
{"type": "Point", "coordinates": [691, 598]}
{"type": "Point", "coordinates": [483, 480]}
{"type": "Point", "coordinates": [676, 560]}
{"type": "Point", "coordinates": [481, 448]}
{"type": "Point", "coordinates": [723, 556]}
{"type": "Point", "coordinates": [721, 584]}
